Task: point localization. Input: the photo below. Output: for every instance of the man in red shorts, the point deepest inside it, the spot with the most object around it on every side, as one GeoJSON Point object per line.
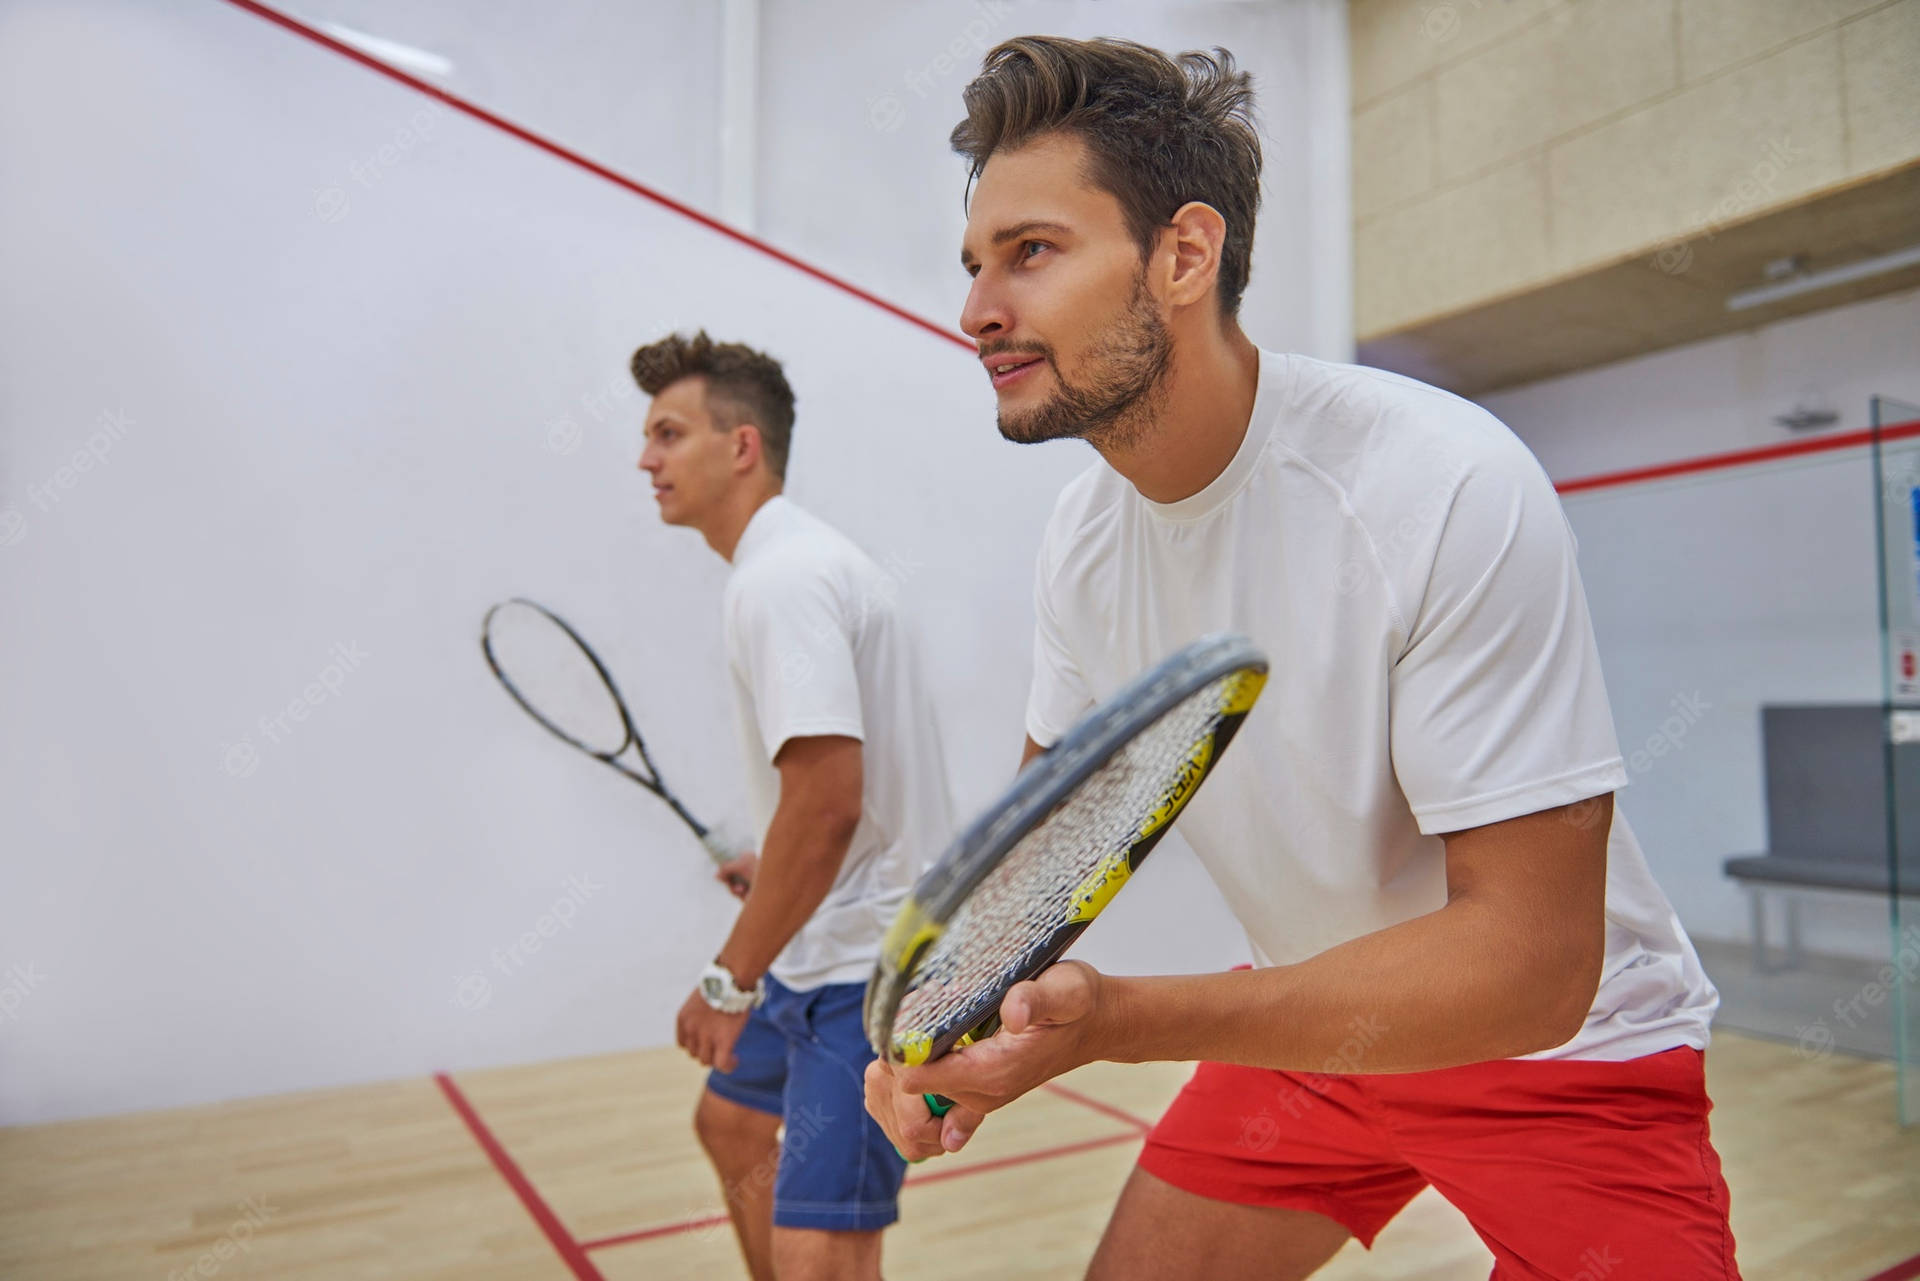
{"type": "Point", "coordinates": [1465, 975]}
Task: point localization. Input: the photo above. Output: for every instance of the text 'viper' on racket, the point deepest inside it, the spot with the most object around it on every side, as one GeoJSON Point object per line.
{"type": "Point", "coordinates": [559, 681]}
{"type": "Point", "coordinates": [1021, 883]}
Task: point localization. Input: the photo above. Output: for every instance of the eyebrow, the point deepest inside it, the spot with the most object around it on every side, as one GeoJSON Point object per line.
{"type": "Point", "coordinates": [1016, 231]}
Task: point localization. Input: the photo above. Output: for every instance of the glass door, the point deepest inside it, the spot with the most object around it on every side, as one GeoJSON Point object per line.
{"type": "Point", "coordinates": [1896, 457]}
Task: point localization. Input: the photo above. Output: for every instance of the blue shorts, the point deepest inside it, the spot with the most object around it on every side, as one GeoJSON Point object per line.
{"type": "Point", "coordinates": [803, 1057]}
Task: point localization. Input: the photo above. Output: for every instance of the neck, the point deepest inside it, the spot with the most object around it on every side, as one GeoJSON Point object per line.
{"type": "Point", "coordinates": [1198, 422]}
{"type": "Point", "coordinates": [723, 529]}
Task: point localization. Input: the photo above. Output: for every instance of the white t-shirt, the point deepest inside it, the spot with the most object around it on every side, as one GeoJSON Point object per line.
{"type": "Point", "coordinates": [817, 646]}
{"type": "Point", "coordinates": [1406, 565]}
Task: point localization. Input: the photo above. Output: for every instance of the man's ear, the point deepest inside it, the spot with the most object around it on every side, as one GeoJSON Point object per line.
{"type": "Point", "coordinates": [1198, 237]}
{"type": "Point", "coordinates": [748, 448]}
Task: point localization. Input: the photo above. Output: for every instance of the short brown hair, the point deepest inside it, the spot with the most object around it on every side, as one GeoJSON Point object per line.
{"type": "Point", "coordinates": [1159, 131]}
{"type": "Point", "coordinates": [743, 386]}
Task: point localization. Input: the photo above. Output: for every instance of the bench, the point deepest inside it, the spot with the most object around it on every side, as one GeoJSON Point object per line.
{"type": "Point", "coordinates": [1827, 820]}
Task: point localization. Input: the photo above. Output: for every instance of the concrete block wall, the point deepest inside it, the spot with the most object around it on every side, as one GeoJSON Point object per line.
{"type": "Point", "coordinates": [1499, 145]}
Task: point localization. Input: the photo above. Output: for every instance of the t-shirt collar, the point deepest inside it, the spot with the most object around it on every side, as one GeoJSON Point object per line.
{"type": "Point", "coordinates": [1268, 395]}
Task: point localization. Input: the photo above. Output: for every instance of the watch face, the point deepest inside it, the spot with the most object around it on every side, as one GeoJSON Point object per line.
{"type": "Point", "coordinates": [711, 988]}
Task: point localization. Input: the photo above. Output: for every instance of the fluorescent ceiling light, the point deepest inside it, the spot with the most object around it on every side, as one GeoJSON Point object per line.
{"type": "Point", "coordinates": [1794, 286]}
{"type": "Point", "coordinates": [403, 56]}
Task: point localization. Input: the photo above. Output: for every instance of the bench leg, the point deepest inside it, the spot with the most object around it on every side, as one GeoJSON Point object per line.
{"type": "Point", "coordinates": [1793, 932]}
{"type": "Point", "coordinates": [1757, 908]}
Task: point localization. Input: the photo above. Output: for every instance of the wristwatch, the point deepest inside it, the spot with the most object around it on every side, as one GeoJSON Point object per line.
{"type": "Point", "coordinates": [718, 989]}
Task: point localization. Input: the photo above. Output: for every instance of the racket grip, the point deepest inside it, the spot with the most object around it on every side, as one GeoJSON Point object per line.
{"type": "Point", "coordinates": [720, 847]}
{"type": "Point", "coordinates": [938, 1104]}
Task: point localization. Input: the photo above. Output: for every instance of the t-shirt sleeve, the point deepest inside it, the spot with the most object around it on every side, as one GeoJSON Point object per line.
{"type": "Point", "coordinates": [1059, 695]}
{"type": "Point", "coordinates": [1497, 705]}
{"type": "Point", "coordinates": [794, 644]}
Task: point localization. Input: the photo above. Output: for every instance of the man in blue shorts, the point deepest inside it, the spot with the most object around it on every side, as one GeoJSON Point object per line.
{"type": "Point", "coordinates": [850, 798]}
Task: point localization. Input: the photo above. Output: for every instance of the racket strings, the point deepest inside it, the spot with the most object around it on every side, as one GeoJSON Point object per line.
{"type": "Point", "coordinates": [1041, 885]}
{"type": "Point", "coordinates": [554, 677]}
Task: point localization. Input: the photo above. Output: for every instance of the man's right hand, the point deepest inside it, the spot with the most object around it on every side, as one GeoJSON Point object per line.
{"type": "Point", "coordinates": [737, 873]}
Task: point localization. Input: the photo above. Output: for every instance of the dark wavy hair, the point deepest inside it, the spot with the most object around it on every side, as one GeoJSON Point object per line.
{"type": "Point", "coordinates": [743, 386]}
{"type": "Point", "coordinates": [1159, 131]}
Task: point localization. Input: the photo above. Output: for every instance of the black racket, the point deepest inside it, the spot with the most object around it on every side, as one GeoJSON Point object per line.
{"type": "Point", "coordinates": [1020, 884]}
{"type": "Point", "coordinates": [559, 681]}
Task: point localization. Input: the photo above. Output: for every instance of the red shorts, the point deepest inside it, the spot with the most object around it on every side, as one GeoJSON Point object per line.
{"type": "Point", "coordinates": [1570, 1170]}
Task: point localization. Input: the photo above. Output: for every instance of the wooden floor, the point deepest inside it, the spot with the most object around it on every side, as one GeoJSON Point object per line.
{"type": "Point", "coordinates": [587, 1168]}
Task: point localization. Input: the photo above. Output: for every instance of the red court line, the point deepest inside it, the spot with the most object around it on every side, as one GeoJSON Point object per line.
{"type": "Point", "coordinates": [1023, 1158]}
{"type": "Point", "coordinates": [579, 161]}
{"type": "Point", "coordinates": [1737, 458]}
{"type": "Point", "coordinates": [930, 1176]}
{"type": "Point", "coordinates": [1105, 1109]}
{"type": "Point", "coordinates": [562, 1241]}
{"type": "Point", "coordinates": [1899, 1271]}
{"type": "Point", "coordinates": [648, 1234]}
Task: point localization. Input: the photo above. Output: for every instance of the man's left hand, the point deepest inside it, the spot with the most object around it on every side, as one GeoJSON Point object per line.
{"type": "Point", "coordinates": [707, 1034]}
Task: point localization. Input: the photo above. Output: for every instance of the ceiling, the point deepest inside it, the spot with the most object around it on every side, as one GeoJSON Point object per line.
{"type": "Point", "coordinates": [1662, 299]}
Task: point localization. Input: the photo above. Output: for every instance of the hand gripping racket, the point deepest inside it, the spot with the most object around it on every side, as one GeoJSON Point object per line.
{"type": "Point", "coordinates": [1018, 886]}
{"type": "Point", "coordinates": [559, 681]}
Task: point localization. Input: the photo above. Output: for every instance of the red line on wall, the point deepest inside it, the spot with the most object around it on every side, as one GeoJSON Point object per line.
{"type": "Point", "coordinates": [1606, 480]}
{"type": "Point", "coordinates": [599, 170]}
{"type": "Point", "coordinates": [1899, 1271]}
{"type": "Point", "coordinates": [1738, 458]}
{"type": "Point", "coordinates": [570, 1251]}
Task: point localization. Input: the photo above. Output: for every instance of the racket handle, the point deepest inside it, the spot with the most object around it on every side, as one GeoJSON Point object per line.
{"type": "Point", "coordinates": [719, 846]}
{"type": "Point", "coordinates": [938, 1104]}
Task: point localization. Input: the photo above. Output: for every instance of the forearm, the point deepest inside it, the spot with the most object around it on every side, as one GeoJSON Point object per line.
{"type": "Point", "coordinates": [1444, 989]}
{"type": "Point", "coordinates": [801, 856]}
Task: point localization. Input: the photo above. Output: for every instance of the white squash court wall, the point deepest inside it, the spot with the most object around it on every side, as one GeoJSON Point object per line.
{"type": "Point", "coordinates": [350, 366]}
{"type": "Point", "coordinates": [1746, 586]}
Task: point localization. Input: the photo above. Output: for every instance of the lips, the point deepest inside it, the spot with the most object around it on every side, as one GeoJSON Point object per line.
{"type": "Point", "coordinates": [1008, 368]}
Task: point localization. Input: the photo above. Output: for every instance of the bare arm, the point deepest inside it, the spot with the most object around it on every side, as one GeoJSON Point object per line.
{"type": "Point", "coordinates": [820, 798]}
{"type": "Point", "coordinates": [1507, 967]}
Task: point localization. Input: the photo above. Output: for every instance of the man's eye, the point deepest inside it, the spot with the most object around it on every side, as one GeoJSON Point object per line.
{"type": "Point", "coordinates": [1027, 247]}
